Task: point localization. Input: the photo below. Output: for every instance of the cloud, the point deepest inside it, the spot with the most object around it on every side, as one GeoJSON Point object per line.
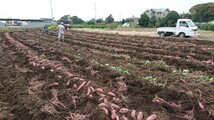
{"type": "Point", "coordinates": [85, 9]}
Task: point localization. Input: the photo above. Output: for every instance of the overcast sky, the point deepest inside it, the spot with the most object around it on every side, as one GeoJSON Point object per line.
{"type": "Point", "coordinates": [85, 9]}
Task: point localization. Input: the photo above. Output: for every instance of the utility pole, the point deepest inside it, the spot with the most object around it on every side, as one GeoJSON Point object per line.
{"type": "Point", "coordinates": [120, 18]}
{"type": "Point", "coordinates": [51, 10]}
{"type": "Point", "coordinates": [95, 11]}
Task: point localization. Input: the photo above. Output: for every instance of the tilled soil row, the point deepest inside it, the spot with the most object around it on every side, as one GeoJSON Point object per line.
{"type": "Point", "coordinates": [6, 73]}
{"type": "Point", "coordinates": [177, 59]}
{"type": "Point", "coordinates": [25, 42]}
{"type": "Point", "coordinates": [148, 42]}
{"type": "Point", "coordinates": [155, 46]}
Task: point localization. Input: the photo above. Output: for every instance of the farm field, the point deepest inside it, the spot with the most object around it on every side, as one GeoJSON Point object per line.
{"type": "Point", "coordinates": [100, 76]}
{"type": "Point", "coordinates": [202, 34]}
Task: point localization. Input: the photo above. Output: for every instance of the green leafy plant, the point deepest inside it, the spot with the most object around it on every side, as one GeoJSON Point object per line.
{"type": "Point", "coordinates": [124, 98]}
{"type": "Point", "coordinates": [118, 69]}
{"type": "Point", "coordinates": [42, 56]}
{"type": "Point", "coordinates": [150, 78]}
{"type": "Point", "coordinates": [184, 72]}
{"type": "Point", "coordinates": [145, 62]}
{"type": "Point", "coordinates": [212, 53]}
{"type": "Point", "coordinates": [161, 65]}
{"type": "Point", "coordinates": [206, 78]}
{"type": "Point", "coordinates": [77, 55]}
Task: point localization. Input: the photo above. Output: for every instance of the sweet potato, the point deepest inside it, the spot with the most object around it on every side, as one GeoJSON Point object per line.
{"type": "Point", "coordinates": [140, 116]}
{"type": "Point", "coordinates": [111, 94]}
{"type": "Point", "coordinates": [105, 110]}
{"type": "Point", "coordinates": [133, 114]}
{"type": "Point", "coordinates": [152, 117]}
{"type": "Point", "coordinates": [124, 117]}
{"type": "Point", "coordinates": [114, 106]}
{"type": "Point", "coordinates": [113, 114]}
{"type": "Point", "coordinates": [124, 110]}
{"type": "Point", "coordinates": [99, 90]}
{"type": "Point", "coordinates": [88, 91]}
{"type": "Point", "coordinates": [102, 105]}
{"type": "Point", "coordinates": [83, 83]}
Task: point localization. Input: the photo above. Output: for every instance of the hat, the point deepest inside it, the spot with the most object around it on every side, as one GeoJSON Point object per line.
{"type": "Point", "coordinates": [62, 23]}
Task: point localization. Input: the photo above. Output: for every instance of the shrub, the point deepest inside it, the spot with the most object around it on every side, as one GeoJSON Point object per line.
{"type": "Point", "coordinates": [110, 26]}
{"type": "Point", "coordinates": [206, 26]}
{"type": "Point", "coordinates": [52, 27]}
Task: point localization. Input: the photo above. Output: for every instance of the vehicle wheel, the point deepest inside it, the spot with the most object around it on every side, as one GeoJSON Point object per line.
{"type": "Point", "coordinates": [162, 34]}
{"type": "Point", "coordinates": [182, 35]}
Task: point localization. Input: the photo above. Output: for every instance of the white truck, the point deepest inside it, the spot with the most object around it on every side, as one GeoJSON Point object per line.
{"type": "Point", "coordinates": [184, 28]}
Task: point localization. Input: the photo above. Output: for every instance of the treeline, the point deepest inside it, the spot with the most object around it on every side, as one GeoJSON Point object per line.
{"type": "Point", "coordinates": [169, 21]}
{"type": "Point", "coordinates": [199, 13]}
{"type": "Point", "coordinates": [206, 26]}
{"type": "Point", "coordinates": [202, 12]}
{"type": "Point", "coordinates": [75, 22]}
{"type": "Point", "coordinates": [67, 19]}
{"type": "Point", "coordinates": [98, 25]}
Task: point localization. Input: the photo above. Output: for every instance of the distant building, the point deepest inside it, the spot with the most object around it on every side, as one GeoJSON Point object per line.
{"type": "Point", "coordinates": [211, 22]}
{"type": "Point", "coordinates": [47, 20]}
{"type": "Point", "coordinates": [133, 20]}
{"type": "Point", "coordinates": [2, 24]}
{"type": "Point", "coordinates": [157, 12]}
{"type": "Point", "coordinates": [32, 23]}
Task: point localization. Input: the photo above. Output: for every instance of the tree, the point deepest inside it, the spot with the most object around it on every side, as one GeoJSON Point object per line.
{"type": "Point", "coordinates": [144, 20]}
{"type": "Point", "coordinates": [162, 22]}
{"type": "Point", "coordinates": [76, 20]}
{"type": "Point", "coordinates": [123, 21]}
{"type": "Point", "coordinates": [202, 12]}
{"type": "Point", "coordinates": [211, 11]}
{"type": "Point", "coordinates": [67, 19]}
{"type": "Point", "coordinates": [91, 21]}
{"type": "Point", "coordinates": [171, 18]}
{"type": "Point", "coordinates": [153, 21]}
{"type": "Point", "coordinates": [100, 20]}
{"type": "Point", "coordinates": [186, 15]}
{"type": "Point", "coordinates": [197, 12]}
{"type": "Point", "coordinates": [109, 19]}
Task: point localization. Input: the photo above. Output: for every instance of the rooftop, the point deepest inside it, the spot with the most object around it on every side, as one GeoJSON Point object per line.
{"type": "Point", "coordinates": [133, 17]}
{"type": "Point", "coordinates": [10, 19]}
{"type": "Point", "coordinates": [159, 10]}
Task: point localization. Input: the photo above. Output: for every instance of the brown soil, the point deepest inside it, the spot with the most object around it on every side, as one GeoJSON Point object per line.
{"type": "Point", "coordinates": [39, 75]}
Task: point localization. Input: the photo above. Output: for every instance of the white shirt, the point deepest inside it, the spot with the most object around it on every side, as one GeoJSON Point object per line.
{"type": "Point", "coordinates": [61, 29]}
